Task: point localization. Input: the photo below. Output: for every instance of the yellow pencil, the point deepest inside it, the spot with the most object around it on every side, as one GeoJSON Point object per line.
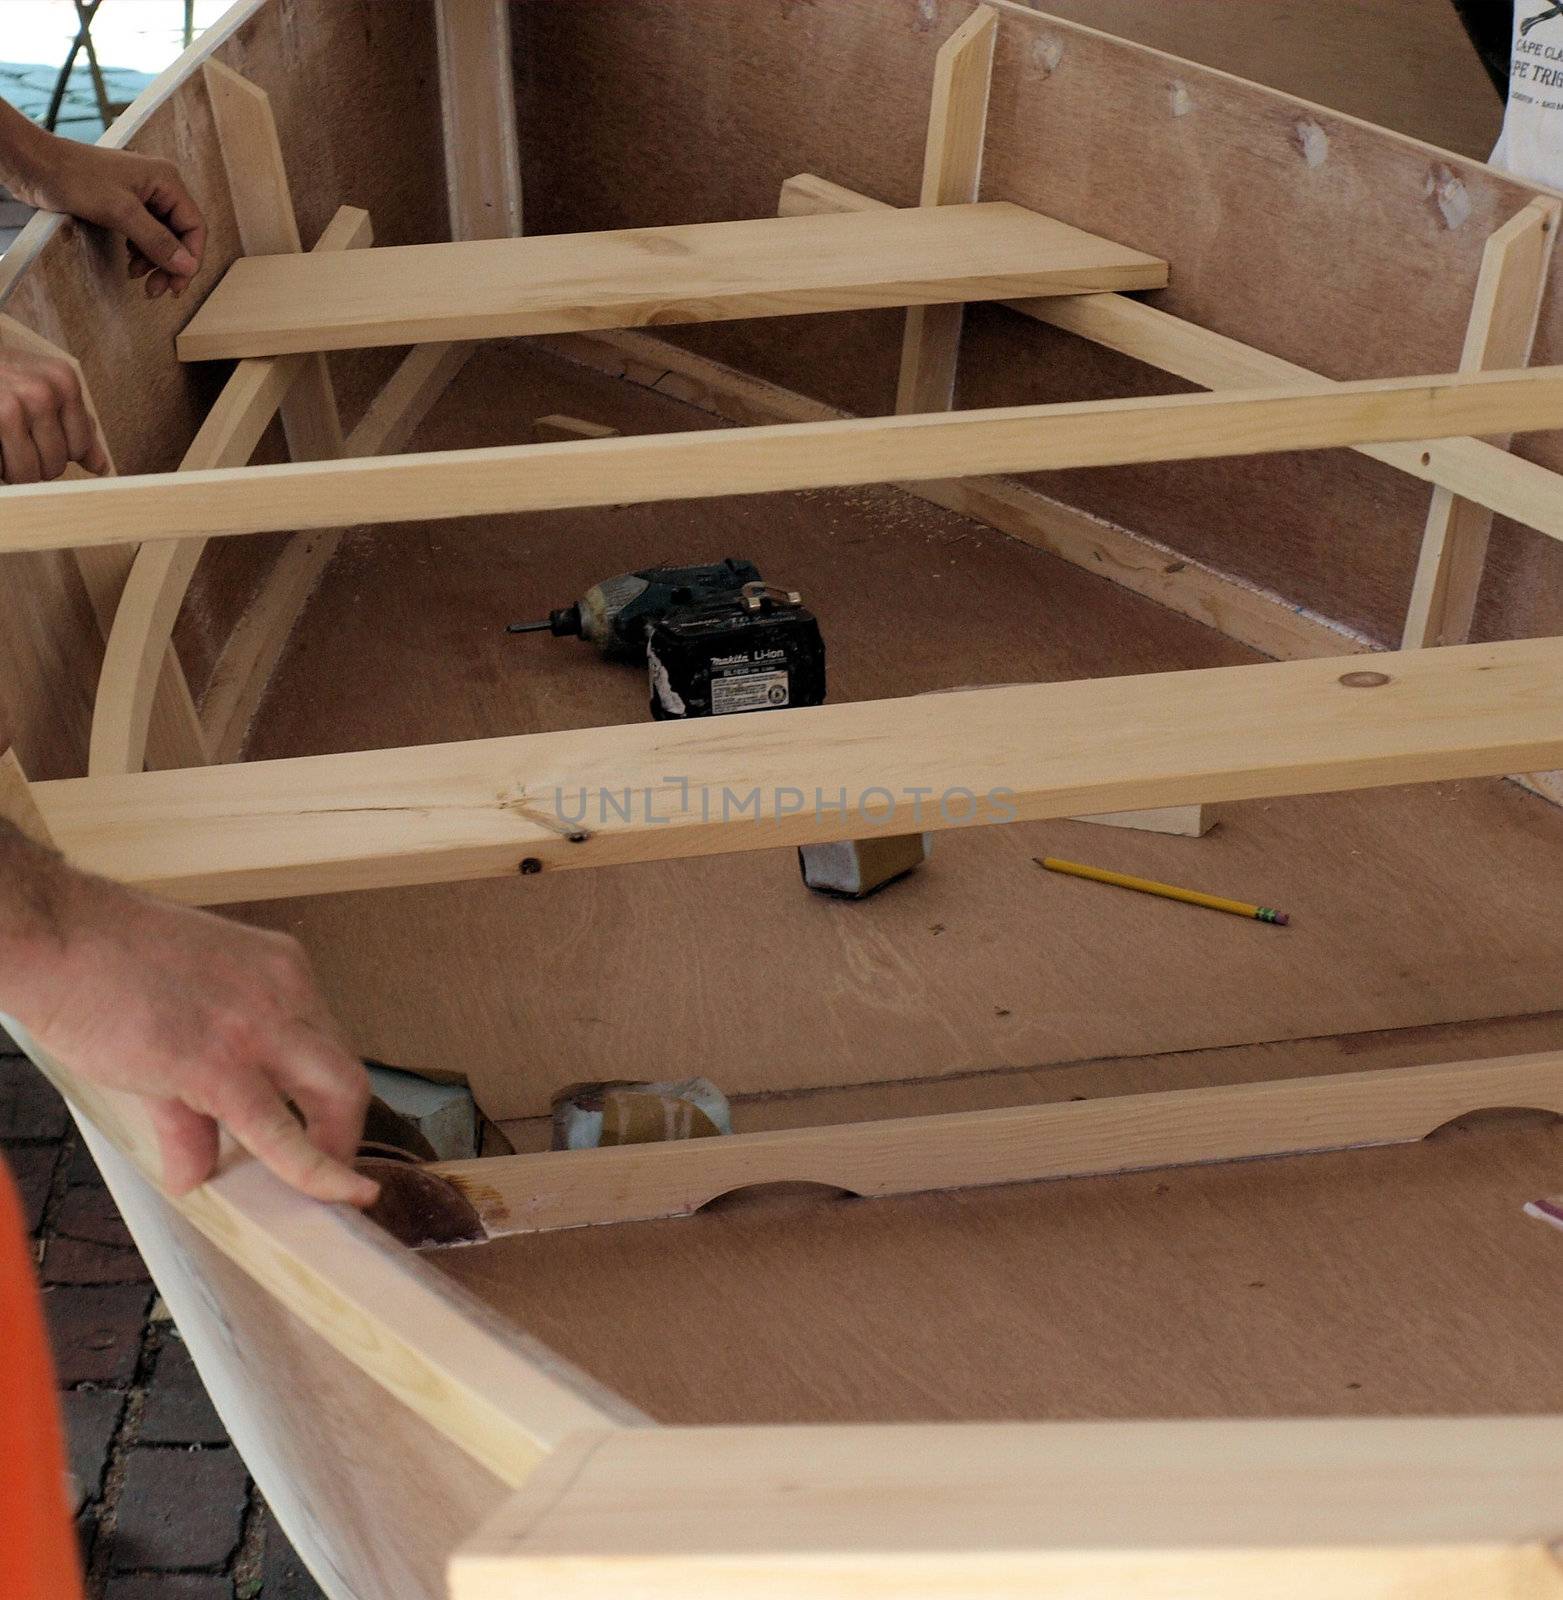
{"type": "Point", "coordinates": [1192, 897]}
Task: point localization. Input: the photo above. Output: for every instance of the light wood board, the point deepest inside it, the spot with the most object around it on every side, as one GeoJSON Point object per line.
{"type": "Point", "coordinates": [481, 289]}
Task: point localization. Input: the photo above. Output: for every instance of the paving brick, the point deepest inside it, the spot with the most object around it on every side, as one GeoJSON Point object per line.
{"type": "Point", "coordinates": [180, 1508]}
{"type": "Point", "coordinates": [29, 1106]}
{"type": "Point", "coordinates": [91, 1416]}
{"type": "Point", "coordinates": [91, 1243]}
{"type": "Point", "coordinates": [80, 1168]}
{"type": "Point", "coordinates": [32, 1165]}
{"type": "Point", "coordinates": [169, 1586]}
{"type": "Point", "coordinates": [283, 1575]}
{"type": "Point", "coordinates": [96, 1331]}
{"type": "Point", "coordinates": [177, 1408]}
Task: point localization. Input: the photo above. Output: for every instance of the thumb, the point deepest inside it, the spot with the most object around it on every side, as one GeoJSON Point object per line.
{"type": "Point", "coordinates": [161, 247]}
{"type": "Point", "coordinates": [187, 1143]}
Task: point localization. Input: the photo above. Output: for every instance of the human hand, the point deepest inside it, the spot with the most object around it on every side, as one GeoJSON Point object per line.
{"type": "Point", "coordinates": [140, 197]}
{"type": "Point", "coordinates": [44, 422]}
{"type": "Point", "coordinates": [212, 1022]}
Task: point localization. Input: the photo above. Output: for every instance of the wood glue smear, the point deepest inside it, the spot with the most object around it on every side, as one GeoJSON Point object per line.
{"type": "Point", "coordinates": [1313, 142]}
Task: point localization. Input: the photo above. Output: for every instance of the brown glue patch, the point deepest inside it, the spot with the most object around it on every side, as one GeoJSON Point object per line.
{"type": "Point", "coordinates": [417, 1208]}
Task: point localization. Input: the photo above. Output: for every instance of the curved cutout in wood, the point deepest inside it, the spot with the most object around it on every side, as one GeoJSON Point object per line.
{"type": "Point", "coordinates": [1021, 1144]}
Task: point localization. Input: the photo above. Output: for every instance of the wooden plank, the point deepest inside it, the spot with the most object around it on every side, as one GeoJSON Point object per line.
{"type": "Point", "coordinates": [1501, 333]}
{"type": "Point", "coordinates": [154, 592]}
{"type": "Point", "coordinates": [1371, 1509]}
{"type": "Point", "coordinates": [1020, 1144]}
{"type": "Point", "coordinates": [595, 797]}
{"type": "Point", "coordinates": [705, 272]}
{"type": "Point", "coordinates": [175, 729]}
{"type": "Point", "coordinates": [1521, 490]}
{"type": "Point", "coordinates": [478, 107]}
{"type": "Point", "coordinates": [952, 175]}
{"type": "Point", "coordinates": [656, 467]}
{"type": "Point", "coordinates": [244, 669]}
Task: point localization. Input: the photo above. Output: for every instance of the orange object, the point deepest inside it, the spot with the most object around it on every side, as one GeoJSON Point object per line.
{"type": "Point", "coordinates": [38, 1555]}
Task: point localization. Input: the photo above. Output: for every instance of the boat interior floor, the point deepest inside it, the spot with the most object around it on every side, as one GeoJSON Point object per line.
{"type": "Point", "coordinates": [1424, 929]}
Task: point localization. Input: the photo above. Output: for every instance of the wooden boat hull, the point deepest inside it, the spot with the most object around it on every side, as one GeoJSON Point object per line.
{"type": "Point", "coordinates": [385, 1411]}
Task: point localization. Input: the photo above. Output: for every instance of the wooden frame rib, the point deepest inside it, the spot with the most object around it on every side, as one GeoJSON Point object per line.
{"type": "Point", "coordinates": [1020, 1144]}
{"type": "Point", "coordinates": [478, 107]}
{"type": "Point", "coordinates": [174, 729]}
{"type": "Point", "coordinates": [656, 791]}
{"type": "Point", "coordinates": [952, 175]}
{"type": "Point", "coordinates": [1501, 333]}
{"type": "Point", "coordinates": [657, 467]}
{"type": "Point", "coordinates": [160, 578]}
{"type": "Point", "coordinates": [1467, 467]}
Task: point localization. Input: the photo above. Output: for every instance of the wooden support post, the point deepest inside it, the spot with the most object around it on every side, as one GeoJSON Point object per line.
{"type": "Point", "coordinates": [1500, 334]}
{"type": "Point", "coordinates": [478, 103]}
{"type": "Point", "coordinates": [174, 728]}
{"type": "Point", "coordinates": [952, 175]}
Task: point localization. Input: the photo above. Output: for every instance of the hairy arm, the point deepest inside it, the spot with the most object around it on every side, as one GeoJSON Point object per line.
{"type": "Point", "coordinates": [141, 197]}
{"type": "Point", "coordinates": [215, 1024]}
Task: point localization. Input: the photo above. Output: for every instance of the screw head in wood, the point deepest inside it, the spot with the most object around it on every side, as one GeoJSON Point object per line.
{"type": "Point", "coordinates": [1364, 680]}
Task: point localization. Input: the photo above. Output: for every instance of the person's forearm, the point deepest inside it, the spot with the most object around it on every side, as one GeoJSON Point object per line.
{"type": "Point", "coordinates": [21, 144]}
{"type": "Point", "coordinates": [35, 891]}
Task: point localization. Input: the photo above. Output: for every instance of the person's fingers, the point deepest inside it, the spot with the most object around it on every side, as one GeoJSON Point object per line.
{"type": "Point", "coordinates": [81, 438]}
{"type": "Point", "coordinates": [176, 205]}
{"type": "Point", "coordinates": [161, 247]}
{"type": "Point", "coordinates": [49, 441]}
{"type": "Point", "coordinates": [329, 1086]}
{"type": "Point", "coordinates": [187, 1143]}
{"type": "Point", "coordinates": [253, 1111]}
{"type": "Point", "coordinates": [18, 454]}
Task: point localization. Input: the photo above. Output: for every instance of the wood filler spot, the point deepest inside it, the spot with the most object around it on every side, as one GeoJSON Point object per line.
{"type": "Point", "coordinates": [1182, 101]}
{"type": "Point", "coordinates": [927, 14]}
{"type": "Point", "coordinates": [1364, 680]}
{"type": "Point", "coordinates": [1046, 55]}
{"type": "Point", "coordinates": [1312, 142]}
{"type": "Point", "coordinates": [1450, 196]}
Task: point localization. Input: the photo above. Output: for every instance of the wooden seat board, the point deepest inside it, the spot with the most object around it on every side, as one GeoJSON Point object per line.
{"type": "Point", "coordinates": [705, 272]}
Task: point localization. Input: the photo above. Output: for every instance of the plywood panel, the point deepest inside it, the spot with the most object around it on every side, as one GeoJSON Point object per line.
{"type": "Point", "coordinates": [979, 960]}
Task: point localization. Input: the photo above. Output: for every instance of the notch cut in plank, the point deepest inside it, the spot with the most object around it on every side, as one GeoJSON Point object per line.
{"type": "Point", "coordinates": [648, 468]}
{"type": "Point", "coordinates": [1189, 822]}
{"type": "Point", "coordinates": [175, 738]}
{"type": "Point", "coordinates": [705, 272]}
{"type": "Point", "coordinates": [952, 175]}
{"type": "Point", "coordinates": [154, 593]}
{"type": "Point", "coordinates": [478, 109]}
{"type": "Point", "coordinates": [1501, 333]}
{"type": "Point", "coordinates": [606, 796]}
{"type": "Point", "coordinates": [1366, 1509]}
{"type": "Point", "coordinates": [263, 208]}
{"type": "Point", "coordinates": [1520, 490]}
{"type": "Point", "coordinates": [1019, 1144]}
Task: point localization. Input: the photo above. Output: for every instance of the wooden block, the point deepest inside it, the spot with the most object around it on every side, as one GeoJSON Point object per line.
{"type": "Point", "coordinates": [707, 272]}
{"type": "Point", "coordinates": [555, 428]}
{"type": "Point", "coordinates": [1192, 822]}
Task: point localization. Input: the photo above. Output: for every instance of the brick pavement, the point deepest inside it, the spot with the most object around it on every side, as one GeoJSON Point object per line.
{"type": "Point", "coordinates": [164, 1507]}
